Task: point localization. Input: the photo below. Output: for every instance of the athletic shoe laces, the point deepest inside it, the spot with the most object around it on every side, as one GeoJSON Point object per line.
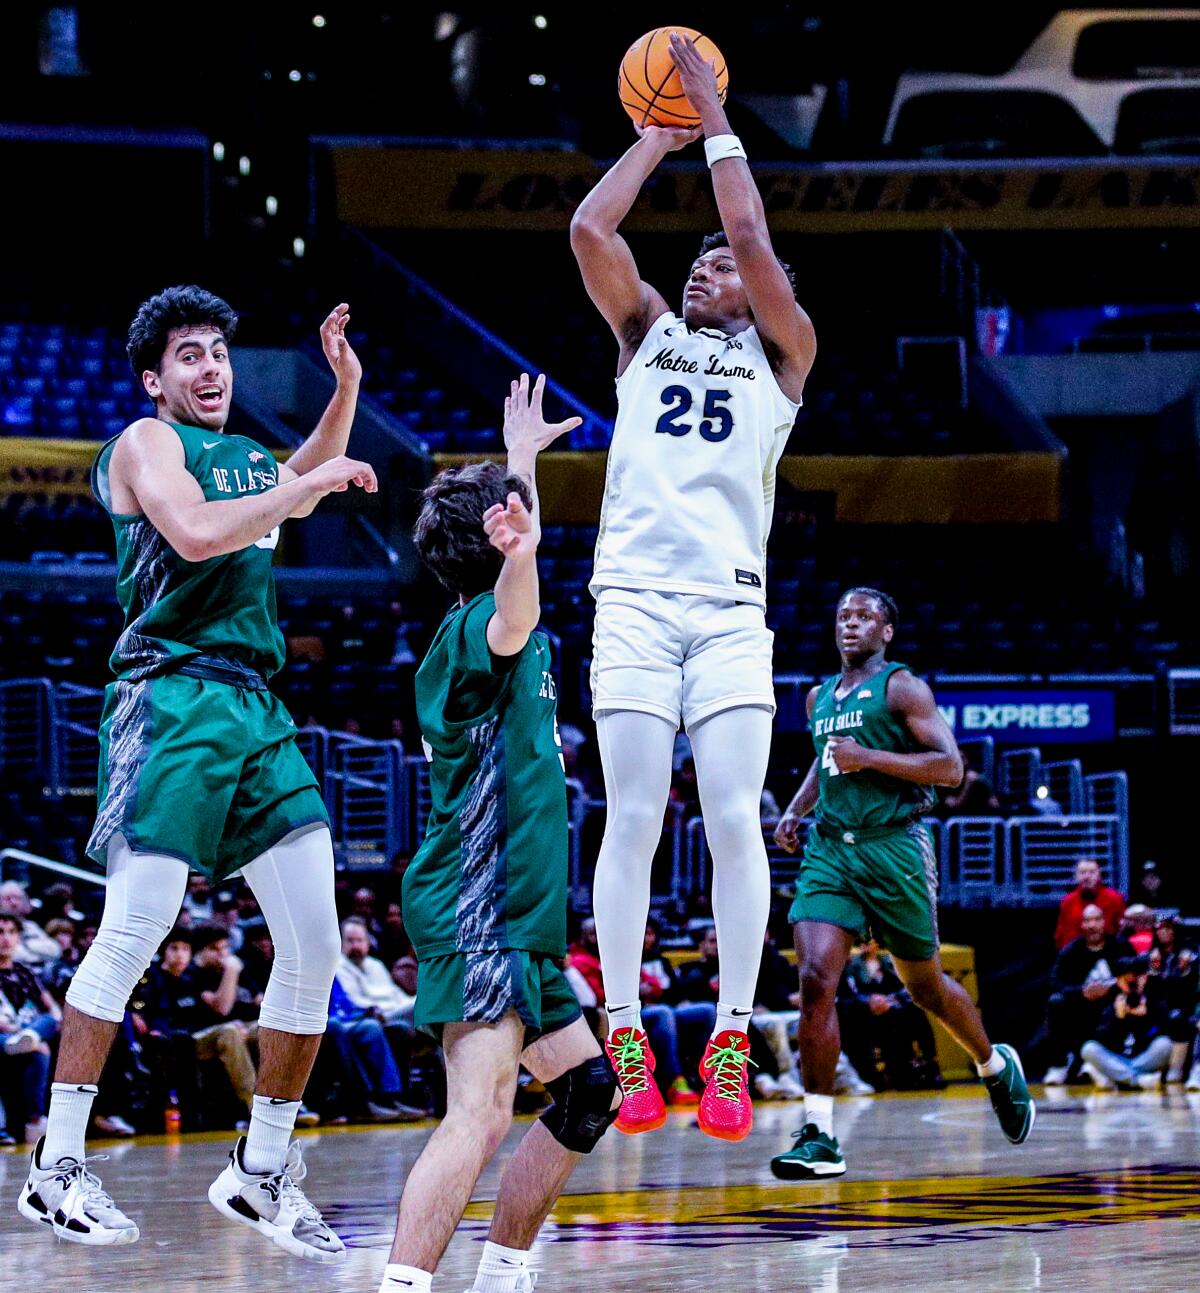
{"type": "Point", "coordinates": [92, 1193]}
{"type": "Point", "coordinates": [728, 1065]}
{"type": "Point", "coordinates": [630, 1061]}
{"type": "Point", "coordinates": [288, 1182]}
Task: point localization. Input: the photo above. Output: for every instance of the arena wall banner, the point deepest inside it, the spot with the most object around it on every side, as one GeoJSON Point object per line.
{"type": "Point", "coordinates": [1042, 715]}
{"type": "Point", "coordinates": [430, 188]}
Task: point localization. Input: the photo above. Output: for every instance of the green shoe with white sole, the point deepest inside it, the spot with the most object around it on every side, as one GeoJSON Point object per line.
{"type": "Point", "coordinates": [813, 1155]}
{"type": "Point", "coordinates": [1013, 1105]}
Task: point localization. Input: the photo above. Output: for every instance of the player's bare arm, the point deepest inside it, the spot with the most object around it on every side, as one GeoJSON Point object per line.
{"type": "Point", "coordinates": [332, 433]}
{"type": "Point", "coordinates": [610, 274]}
{"type": "Point", "coordinates": [937, 764]}
{"type": "Point", "coordinates": [511, 527]}
{"type": "Point", "coordinates": [785, 329]}
{"type": "Point", "coordinates": [804, 800]}
{"type": "Point", "coordinates": [148, 475]}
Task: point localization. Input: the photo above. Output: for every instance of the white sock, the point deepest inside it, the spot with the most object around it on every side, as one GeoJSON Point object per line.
{"type": "Point", "coordinates": [992, 1065]}
{"type": "Point", "coordinates": [624, 1017]}
{"type": "Point", "coordinates": [818, 1109]}
{"type": "Point", "coordinates": [732, 1017]}
{"type": "Point", "coordinates": [272, 1122]}
{"type": "Point", "coordinates": [67, 1124]}
{"type": "Point", "coordinates": [397, 1277]}
{"type": "Point", "coordinates": [501, 1269]}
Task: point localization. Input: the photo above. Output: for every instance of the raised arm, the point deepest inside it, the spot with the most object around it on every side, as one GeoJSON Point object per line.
{"type": "Point", "coordinates": [937, 763]}
{"type": "Point", "coordinates": [148, 468]}
{"type": "Point", "coordinates": [610, 273]}
{"type": "Point", "coordinates": [786, 331]}
{"type": "Point", "coordinates": [332, 433]}
{"type": "Point", "coordinates": [514, 529]}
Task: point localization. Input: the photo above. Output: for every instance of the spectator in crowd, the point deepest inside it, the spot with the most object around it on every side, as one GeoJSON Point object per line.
{"type": "Point", "coordinates": [404, 974]}
{"type": "Point", "coordinates": [227, 916]}
{"type": "Point", "coordinates": [1175, 975]}
{"type": "Point", "coordinates": [257, 957]}
{"type": "Point", "coordinates": [363, 1045]}
{"type": "Point", "coordinates": [1150, 887]}
{"type": "Point", "coordinates": [57, 975]}
{"type": "Point", "coordinates": [883, 1027]}
{"type": "Point", "coordinates": [58, 903]}
{"type": "Point", "coordinates": [974, 796]}
{"type": "Point", "coordinates": [677, 1028]}
{"type": "Point", "coordinates": [366, 980]}
{"type": "Point", "coordinates": [29, 1019]}
{"type": "Point", "coordinates": [1081, 983]}
{"type": "Point", "coordinates": [198, 900]}
{"type": "Point", "coordinates": [1137, 927]}
{"type": "Point", "coordinates": [1131, 1048]}
{"type": "Point", "coordinates": [36, 947]}
{"type": "Point", "coordinates": [1089, 889]}
{"type": "Point", "coordinates": [583, 962]}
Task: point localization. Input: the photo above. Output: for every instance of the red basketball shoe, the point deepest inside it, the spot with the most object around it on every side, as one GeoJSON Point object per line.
{"type": "Point", "coordinates": [642, 1107]}
{"type": "Point", "coordinates": [725, 1109]}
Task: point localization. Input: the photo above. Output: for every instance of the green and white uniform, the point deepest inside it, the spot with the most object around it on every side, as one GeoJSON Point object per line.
{"type": "Point", "coordinates": [197, 759]}
{"type": "Point", "coordinates": [485, 898]}
{"type": "Point", "coordinates": [869, 863]}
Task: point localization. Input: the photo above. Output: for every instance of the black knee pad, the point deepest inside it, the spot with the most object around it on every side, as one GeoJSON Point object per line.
{"type": "Point", "coordinates": [581, 1111]}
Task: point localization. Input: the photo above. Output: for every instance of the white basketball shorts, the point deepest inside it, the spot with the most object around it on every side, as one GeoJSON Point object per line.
{"type": "Point", "coordinates": [679, 655]}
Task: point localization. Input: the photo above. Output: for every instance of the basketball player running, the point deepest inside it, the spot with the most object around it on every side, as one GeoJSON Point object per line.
{"type": "Point", "coordinates": [705, 405]}
{"type": "Point", "coordinates": [198, 762]}
{"type": "Point", "coordinates": [485, 898]}
{"type": "Point", "coordinates": [881, 748]}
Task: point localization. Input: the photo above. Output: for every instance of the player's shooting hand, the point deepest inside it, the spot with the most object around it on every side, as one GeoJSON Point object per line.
{"type": "Point", "coordinates": [339, 352]}
{"type": "Point", "coordinates": [669, 139]}
{"type": "Point", "coordinates": [338, 474]}
{"type": "Point", "coordinates": [524, 426]}
{"type": "Point", "coordinates": [697, 76]}
{"type": "Point", "coordinates": [848, 754]}
{"type": "Point", "coordinates": [510, 528]}
{"type": "Point", "coordinates": [787, 833]}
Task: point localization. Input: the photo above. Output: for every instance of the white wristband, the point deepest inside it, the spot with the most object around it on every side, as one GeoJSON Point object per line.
{"type": "Point", "coordinates": [722, 146]}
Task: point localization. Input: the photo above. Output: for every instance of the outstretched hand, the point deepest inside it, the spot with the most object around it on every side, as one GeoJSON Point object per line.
{"type": "Point", "coordinates": [524, 426]}
{"type": "Point", "coordinates": [697, 76]}
{"type": "Point", "coordinates": [510, 527]}
{"type": "Point", "coordinates": [669, 139]}
{"type": "Point", "coordinates": [342, 359]}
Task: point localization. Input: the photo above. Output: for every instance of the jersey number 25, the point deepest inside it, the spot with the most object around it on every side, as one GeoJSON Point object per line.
{"type": "Point", "coordinates": [717, 423]}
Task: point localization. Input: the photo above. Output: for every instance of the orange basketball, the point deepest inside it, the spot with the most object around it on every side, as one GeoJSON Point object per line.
{"type": "Point", "coordinates": [649, 84]}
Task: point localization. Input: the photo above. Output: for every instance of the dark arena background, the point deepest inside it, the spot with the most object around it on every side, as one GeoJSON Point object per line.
{"type": "Point", "coordinates": [994, 220]}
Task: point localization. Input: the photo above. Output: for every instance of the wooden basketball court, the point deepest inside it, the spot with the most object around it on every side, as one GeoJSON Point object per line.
{"type": "Point", "coordinates": [1106, 1194]}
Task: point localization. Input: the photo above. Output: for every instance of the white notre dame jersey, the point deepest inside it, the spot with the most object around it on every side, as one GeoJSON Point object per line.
{"type": "Point", "coordinates": [701, 424]}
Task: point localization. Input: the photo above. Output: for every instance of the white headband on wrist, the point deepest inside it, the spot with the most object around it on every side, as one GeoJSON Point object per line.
{"type": "Point", "coordinates": [722, 146]}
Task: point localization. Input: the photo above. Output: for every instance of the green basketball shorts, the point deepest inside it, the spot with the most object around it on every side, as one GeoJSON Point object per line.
{"type": "Point", "coordinates": [885, 884]}
{"type": "Point", "coordinates": [200, 770]}
{"type": "Point", "coordinates": [482, 987]}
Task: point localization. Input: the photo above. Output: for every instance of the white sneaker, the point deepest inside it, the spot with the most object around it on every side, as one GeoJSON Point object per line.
{"type": "Point", "coordinates": [1056, 1076]}
{"type": "Point", "coordinates": [112, 1124]}
{"type": "Point", "coordinates": [1193, 1082]}
{"type": "Point", "coordinates": [21, 1042]}
{"type": "Point", "coordinates": [526, 1284]}
{"type": "Point", "coordinates": [1150, 1081]}
{"type": "Point", "coordinates": [71, 1199]}
{"type": "Point", "coordinates": [789, 1087]}
{"type": "Point", "coordinates": [766, 1086]}
{"type": "Point", "coordinates": [1101, 1081]}
{"type": "Point", "coordinates": [846, 1080]}
{"type": "Point", "coordinates": [274, 1204]}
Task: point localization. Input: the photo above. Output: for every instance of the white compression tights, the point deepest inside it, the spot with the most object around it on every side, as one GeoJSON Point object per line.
{"type": "Point", "coordinates": [293, 883]}
{"type": "Point", "coordinates": [731, 750]}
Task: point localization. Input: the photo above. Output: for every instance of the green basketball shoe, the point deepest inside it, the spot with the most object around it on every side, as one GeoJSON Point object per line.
{"type": "Point", "coordinates": [813, 1154]}
{"type": "Point", "coordinates": [1010, 1097]}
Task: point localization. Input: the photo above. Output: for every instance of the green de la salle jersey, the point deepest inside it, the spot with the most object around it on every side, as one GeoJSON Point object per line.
{"type": "Point", "coordinates": [174, 608]}
{"type": "Point", "coordinates": [859, 800]}
{"type": "Point", "coordinates": [491, 872]}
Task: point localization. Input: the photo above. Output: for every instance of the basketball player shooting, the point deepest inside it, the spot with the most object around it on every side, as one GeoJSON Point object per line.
{"type": "Point", "coordinates": [706, 400]}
